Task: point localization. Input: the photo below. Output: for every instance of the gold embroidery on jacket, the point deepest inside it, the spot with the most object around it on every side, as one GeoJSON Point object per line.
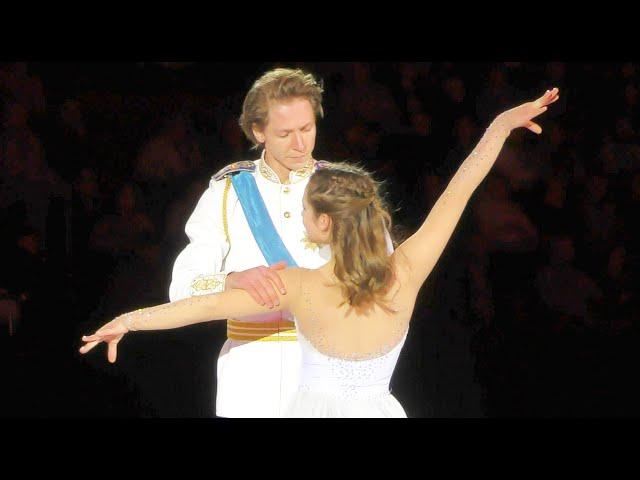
{"type": "Point", "coordinates": [225, 221]}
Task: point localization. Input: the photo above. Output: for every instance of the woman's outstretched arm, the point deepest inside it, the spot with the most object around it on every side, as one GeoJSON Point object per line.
{"type": "Point", "coordinates": [422, 250]}
{"type": "Point", "coordinates": [233, 303]}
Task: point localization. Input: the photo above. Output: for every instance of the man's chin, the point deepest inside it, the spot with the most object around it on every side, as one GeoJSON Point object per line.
{"type": "Point", "coordinates": [297, 163]}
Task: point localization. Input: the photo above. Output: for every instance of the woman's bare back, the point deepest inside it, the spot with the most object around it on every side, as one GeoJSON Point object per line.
{"type": "Point", "coordinates": [337, 330]}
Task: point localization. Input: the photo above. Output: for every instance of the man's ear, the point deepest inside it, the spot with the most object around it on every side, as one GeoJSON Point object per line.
{"type": "Point", "coordinates": [259, 134]}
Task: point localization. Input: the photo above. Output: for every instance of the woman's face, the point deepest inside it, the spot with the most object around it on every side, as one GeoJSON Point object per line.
{"type": "Point", "coordinates": [317, 226]}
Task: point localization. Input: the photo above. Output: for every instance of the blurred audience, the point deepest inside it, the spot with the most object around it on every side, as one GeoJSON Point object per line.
{"type": "Point", "coordinates": [565, 289]}
{"type": "Point", "coordinates": [548, 244]}
{"type": "Point", "coordinates": [127, 230]}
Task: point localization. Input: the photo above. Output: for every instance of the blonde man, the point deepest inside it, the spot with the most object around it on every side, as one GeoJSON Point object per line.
{"type": "Point", "coordinates": [232, 232]}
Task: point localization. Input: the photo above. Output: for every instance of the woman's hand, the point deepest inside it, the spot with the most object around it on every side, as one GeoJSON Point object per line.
{"type": "Point", "coordinates": [111, 333]}
{"type": "Point", "coordinates": [522, 115]}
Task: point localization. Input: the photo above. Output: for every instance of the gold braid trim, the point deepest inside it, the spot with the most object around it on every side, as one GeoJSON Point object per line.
{"type": "Point", "coordinates": [278, 331]}
{"type": "Point", "coordinates": [225, 222]}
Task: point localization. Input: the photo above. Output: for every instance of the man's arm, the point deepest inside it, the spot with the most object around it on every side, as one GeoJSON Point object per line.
{"type": "Point", "coordinates": [198, 268]}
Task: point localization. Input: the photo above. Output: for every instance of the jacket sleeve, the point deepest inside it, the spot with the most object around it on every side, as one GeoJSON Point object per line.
{"type": "Point", "coordinates": [198, 269]}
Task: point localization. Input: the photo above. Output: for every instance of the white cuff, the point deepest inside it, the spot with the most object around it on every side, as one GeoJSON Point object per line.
{"type": "Point", "coordinates": [204, 284]}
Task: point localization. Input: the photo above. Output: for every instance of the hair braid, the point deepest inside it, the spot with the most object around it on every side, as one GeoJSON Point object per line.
{"type": "Point", "coordinates": [360, 222]}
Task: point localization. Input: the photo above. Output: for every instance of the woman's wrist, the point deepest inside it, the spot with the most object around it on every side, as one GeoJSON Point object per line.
{"type": "Point", "coordinates": [501, 125]}
{"type": "Point", "coordinates": [128, 320]}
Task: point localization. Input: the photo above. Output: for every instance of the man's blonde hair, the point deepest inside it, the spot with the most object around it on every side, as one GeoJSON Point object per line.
{"type": "Point", "coordinates": [281, 84]}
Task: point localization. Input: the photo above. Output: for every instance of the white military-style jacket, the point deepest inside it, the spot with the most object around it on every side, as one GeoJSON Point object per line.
{"type": "Point", "coordinates": [221, 240]}
{"type": "Point", "coordinates": [258, 368]}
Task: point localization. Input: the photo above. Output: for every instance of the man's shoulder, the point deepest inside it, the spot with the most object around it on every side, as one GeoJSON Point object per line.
{"type": "Point", "coordinates": [235, 167]}
{"type": "Point", "coordinates": [320, 164]}
{"type": "Point", "coordinates": [252, 166]}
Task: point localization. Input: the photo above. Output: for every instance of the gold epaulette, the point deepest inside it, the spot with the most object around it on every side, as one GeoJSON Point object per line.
{"type": "Point", "coordinates": [242, 166]}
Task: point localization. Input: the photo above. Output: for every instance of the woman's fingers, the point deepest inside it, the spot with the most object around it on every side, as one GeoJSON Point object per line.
{"type": "Point", "coordinates": [540, 102]}
{"type": "Point", "coordinates": [112, 353]}
{"type": "Point", "coordinates": [92, 338]}
{"type": "Point", "coordinates": [101, 335]}
{"type": "Point", "coordinates": [552, 96]}
{"type": "Point", "coordinates": [88, 346]}
{"type": "Point", "coordinates": [537, 111]}
{"type": "Point", "coordinates": [522, 115]}
{"type": "Point", "coordinates": [534, 127]}
{"type": "Point", "coordinates": [552, 99]}
{"type": "Point", "coordinates": [549, 96]}
{"type": "Point", "coordinates": [111, 335]}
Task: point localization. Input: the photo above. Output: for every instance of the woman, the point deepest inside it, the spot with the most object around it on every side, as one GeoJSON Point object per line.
{"type": "Point", "coordinates": [353, 314]}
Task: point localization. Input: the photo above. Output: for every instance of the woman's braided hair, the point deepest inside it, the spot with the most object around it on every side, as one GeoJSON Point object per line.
{"type": "Point", "coordinates": [360, 222]}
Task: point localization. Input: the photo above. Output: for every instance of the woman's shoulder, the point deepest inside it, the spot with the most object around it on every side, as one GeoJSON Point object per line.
{"type": "Point", "coordinates": [293, 276]}
{"type": "Point", "coordinates": [293, 279]}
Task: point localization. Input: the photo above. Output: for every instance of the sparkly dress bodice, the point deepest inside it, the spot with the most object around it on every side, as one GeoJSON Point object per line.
{"type": "Point", "coordinates": [334, 387]}
{"type": "Point", "coordinates": [344, 378]}
{"type": "Point", "coordinates": [339, 382]}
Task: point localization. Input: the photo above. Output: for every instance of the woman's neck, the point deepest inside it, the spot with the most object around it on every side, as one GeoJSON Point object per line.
{"type": "Point", "coordinates": [328, 268]}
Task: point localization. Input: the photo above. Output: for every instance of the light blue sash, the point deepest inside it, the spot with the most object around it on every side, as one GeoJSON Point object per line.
{"type": "Point", "coordinates": [264, 232]}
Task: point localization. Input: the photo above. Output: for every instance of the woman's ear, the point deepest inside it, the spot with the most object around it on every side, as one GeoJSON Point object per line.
{"type": "Point", "coordinates": [324, 222]}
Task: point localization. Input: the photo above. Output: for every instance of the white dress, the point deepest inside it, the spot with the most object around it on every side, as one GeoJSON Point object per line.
{"type": "Point", "coordinates": [336, 387]}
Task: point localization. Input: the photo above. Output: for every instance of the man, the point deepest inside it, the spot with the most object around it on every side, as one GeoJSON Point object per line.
{"type": "Point", "coordinates": [232, 239]}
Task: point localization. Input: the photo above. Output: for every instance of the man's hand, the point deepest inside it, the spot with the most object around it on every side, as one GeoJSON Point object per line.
{"type": "Point", "coordinates": [259, 282]}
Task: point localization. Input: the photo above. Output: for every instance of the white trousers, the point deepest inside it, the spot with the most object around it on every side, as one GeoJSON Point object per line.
{"type": "Point", "coordinates": [257, 379]}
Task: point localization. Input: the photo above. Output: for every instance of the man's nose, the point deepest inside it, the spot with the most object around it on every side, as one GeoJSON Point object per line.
{"type": "Point", "coordinates": [298, 143]}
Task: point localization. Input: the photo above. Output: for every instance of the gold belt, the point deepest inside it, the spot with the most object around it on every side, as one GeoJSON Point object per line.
{"type": "Point", "coordinates": [283, 331]}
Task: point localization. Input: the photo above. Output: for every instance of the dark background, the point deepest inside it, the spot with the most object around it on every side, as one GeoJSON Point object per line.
{"type": "Point", "coordinates": [531, 311]}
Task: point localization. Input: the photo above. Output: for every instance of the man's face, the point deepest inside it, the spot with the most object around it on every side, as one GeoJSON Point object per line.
{"type": "Point", "coordinates": [290, 134]}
